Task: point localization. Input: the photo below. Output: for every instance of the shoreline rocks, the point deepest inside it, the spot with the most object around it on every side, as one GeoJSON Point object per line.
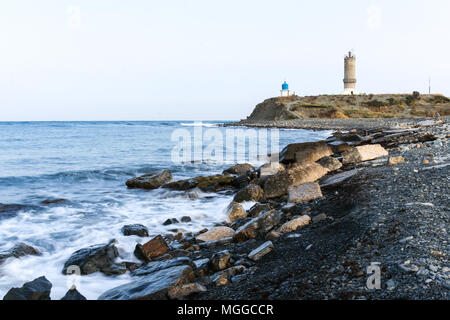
{"type": "Point", "coordinates": [150, 181]}
{"type": "Point", "coordinates": [38, 289]}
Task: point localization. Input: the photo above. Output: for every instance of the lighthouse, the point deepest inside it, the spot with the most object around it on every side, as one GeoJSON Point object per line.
{"type": "Point", "coordinates": [350, 74]}
{"type": "Point", "coordinates": [285, 90]}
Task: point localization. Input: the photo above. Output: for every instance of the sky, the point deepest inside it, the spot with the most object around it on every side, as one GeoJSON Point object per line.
{"type": "Point", "coordinates": [66, 60]}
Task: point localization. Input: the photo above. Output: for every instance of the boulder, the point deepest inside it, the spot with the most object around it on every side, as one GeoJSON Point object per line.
{"type": "Point", "coordinates": [155, 286]}
{"type": "Point", "coordinates": [395, 160]}
{"type": "Point", "coordinates": [38, 289]}
{"type": "Point", "coordinates": [170, 221]}
{"type": "Point", "coordinates": [215, 233]}
{"type": "Point", "coordinates": [219, 261]}
{"type": "Point", "coordinates": [330, 163]}
{"type": "Point", "coordinates": [156, 266]}
{"type": "Point", "coordinates": [305, 152]}
{"type": "Point", "coordinates": [150, 181]}
{"type": "Point", "coordinates": [235, 210]}
{"type": "Point", "coordinates": [304, 192]}
{"type": "Point", "coordinates": [252, 192]}
{"type": "Point", "coordinates": [19, 250]}
{"type": "Point", "coordinates": [294, 224]}
{"type": "Point", "coordinates": [207, 184]}
{"type": "Point", "coordinates": [135, 230]}
{"type": "Point", "coordinates": [186, 219]}
{"type": "Point", "coordinates": [271, 168]}
{"type": "Point", "coordinates": [277, 185]}
{"type": "Point", "coordinates": [363, 153]}
{"type": "Point", "coordinates": [261, 251]}
{"type": "Point", "coordinates": [258, 208]}
{"type": "Point", "coordinates": [258, 227]}
{"type": "Point", "coordinates": [92, 259]}
{"type": "Point", "coordinates": [73, 294]}
{"type": "Point", "coordinates": [186, 290]}
{"type": "Point", "coordinates": [153, 248]}
{"type": "Point", "coordinates": [239, 169]}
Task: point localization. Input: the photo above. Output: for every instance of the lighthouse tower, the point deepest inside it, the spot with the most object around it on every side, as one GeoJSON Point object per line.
{"type": "Point", "coordinates": [285, 90]}
{"type": "Point", "coordinates": [350, 74]}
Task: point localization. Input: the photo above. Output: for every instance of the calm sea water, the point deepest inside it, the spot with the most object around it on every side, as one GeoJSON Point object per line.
{"type": "Point", "coordinates": [87, 163]}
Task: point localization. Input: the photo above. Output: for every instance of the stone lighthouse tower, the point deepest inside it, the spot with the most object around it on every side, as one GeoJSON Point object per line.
{"type": "Point", "coordinates": [350, 74]}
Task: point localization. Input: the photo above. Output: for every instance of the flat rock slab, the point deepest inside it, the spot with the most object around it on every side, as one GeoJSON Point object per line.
{"type": "Point", "coordinates": [261, 251]}
{"type": "Point", "coordinates": [305, 152]}
{"type": "Point", "coordinates": [155, 266]}
{"type": "Point", "coordinates": [339, 178]}
{"type": "Point", "coordinates": [304, 192]}
{"type": "Point", "coordinates": [294, 224]}
{"type": "Point", "coordinates": [363, 153]}
{"type": "Point", "coordinates": [154, 286]}
{"type": "Point", "coordinates": [216, 233]}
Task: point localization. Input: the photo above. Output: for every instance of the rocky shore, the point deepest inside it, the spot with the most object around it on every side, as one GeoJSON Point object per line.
{"type": "Point", "coordinates": [376, 195]}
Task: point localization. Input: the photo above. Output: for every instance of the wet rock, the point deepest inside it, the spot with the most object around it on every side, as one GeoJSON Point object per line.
{"type": "Point", "coordinates": [239, 223]}
{"type": "Point", "coordinates": [304, 192]}
{"type": "Point", "coordinates": [215, 243]}
{"type": "Point", "coordinates": [395, 160]}
{"type": "Point", "coordinates": [206, 184]}
{"type": "Point", "coordinates": [219, 261]}
{"type": "Point", "coordinates": [150, 181]}
{"type": "Point", "coordinates": [92, 259]}
{"type": "Point", "coordinates": [251, 192]}
{"type": "Point", "coordinates": [201, 267]}
{"type": "Point", "coordinates": [216, 233]}
{"type": "Point", "coordinates": [277, 185]}
{"type": "Point", "coordinates": [19, 250]}
{"type": "Point", "coordinates": [155, 286]}
{"type": "Point", "coordinates": [114, 269]}
{"type": "Point", "coordinates": [330, 163]}
{"type": "Point", "coordinates": [170, 221]}
{"type": "Point", "coordinates": [38, 289]}
{"type": "Point", "coordinates": [273, 235]}
{"type": "Point", "coordinates": [258, 227]}
{"type": "Point", "coordinates": [239, 169]}
{"type": "Point", "coordinates": [11, 210]}
{"type": "Point", "coordinates": [261, 251]}
{"type": "Point", "coordinates": [223, 277]}
{"type": "Point", "coordinates": [73, 294]}
{"type": "Point", "coordinates": [363, 153]}
{"type": "Point", "coordinates": [186, 290]}
{"type": "Point", "coordinates": [271, 168]}
{"type": "Point", "coordinates": [153, 248]}
{"type": "Point", "coordinates": [53, 201]}
{"type": "Point", "coordinates": [186, 219]}
{"type": "Point", "coordinates": [135, 230]}
{"type": "Point", "coordinates": [294, 224]}
{"type": "Point", "coordinates": [155, 266]}
{"type": "Point", "coordinates": [235, 210]}
{"type": "Point", "coordinates": [258, 208]}
{"type": "Point", "coordinates": [305, 152]}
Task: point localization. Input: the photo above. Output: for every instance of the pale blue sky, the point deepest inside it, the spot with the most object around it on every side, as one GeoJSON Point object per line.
{"type": "Point", "coordinates": [206, 59]}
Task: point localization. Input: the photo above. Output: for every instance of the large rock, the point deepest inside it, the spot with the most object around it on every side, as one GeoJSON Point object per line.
{"type": "Point", "coordinates": [235, 210]}
{"type": "Point", "coordinates": [330, 163]}
{"type": "Point", "coordinates": [38, 289]}
{"type": "Point", "coordinates": [150, 181]}
{"type": "Point", "coordinates": [19, 250]}
{"type": "Point", "coordinates": [258, 227]}
{"type": "Point", "coordinates": [239, 169]}
{"type": "Point", "coordinates": [92, 259]}
{"type": "Point", "coordinates": [304, 192]}
{"type": "Point", "coordinates": [294, 224]}
{"type": "Point", "coordinates": [153, 248]}
{"type": "Point", "coordinates": [155, 266]}
{"type": "Point", "coordinates": [261, 251]}
{"type": "Point", "coordinates": [73, 294]}
{"type": "Point", "coordinates": [305, 152]}
{"type": "Point", "coordinates": [208, 183]}
{"type": "Point", "coordinates": [271, 168]}
{"type": "Point", "coordinates": [215, 233]}
{"type": "Point", "coordinates": [277, 185]}
{"type": "Point", "coordinates": [252, 192]}
{"type": "Point", "coordinates": [155, 286]}
{"type": "Point", "coordinates": [135, 230]}
{"type": "Point", "coordinates": [363, 153]}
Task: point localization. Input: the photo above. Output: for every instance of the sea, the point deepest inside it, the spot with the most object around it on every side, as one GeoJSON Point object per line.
{"type": "Point", "coordinates": [87, 165]}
